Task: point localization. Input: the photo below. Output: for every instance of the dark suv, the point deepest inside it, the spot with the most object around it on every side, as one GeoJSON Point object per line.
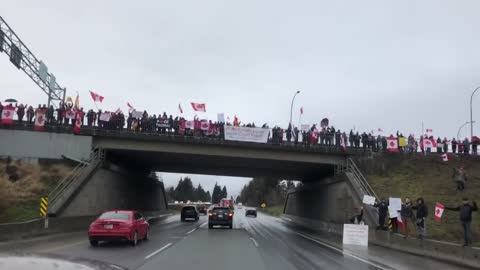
{"type": "Point", "coordinates": [190, 212]}
{"type": "Point", "coordinates": [251, 212]}
{"type": "Point", "coordinates": [202, 209]}
{"type": "Point", "coordinates": [222, 216]}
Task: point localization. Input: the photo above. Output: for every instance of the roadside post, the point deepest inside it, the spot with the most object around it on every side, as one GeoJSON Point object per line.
{"type": "Point", "coordinates": [44, 210]}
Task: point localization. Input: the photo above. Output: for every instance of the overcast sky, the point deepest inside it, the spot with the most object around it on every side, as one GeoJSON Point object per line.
{"type": "Point", "coordinates": [363, 64]}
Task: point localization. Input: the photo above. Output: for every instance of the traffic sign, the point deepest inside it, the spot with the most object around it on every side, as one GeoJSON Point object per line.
{"type": "Point", "coordinates": [43, 206]}
{"type": "Point", "coordinates": [263, 205]}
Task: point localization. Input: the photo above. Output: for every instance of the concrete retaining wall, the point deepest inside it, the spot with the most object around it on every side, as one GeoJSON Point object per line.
{"type": "Point", "coordinates": [328, 201]}
{"type": "Point", "coordinates": [30, 144]}
{"type": "Point", "coordinates": [110, 188]}
{"type": "Point", "coordinates": [19, 230]}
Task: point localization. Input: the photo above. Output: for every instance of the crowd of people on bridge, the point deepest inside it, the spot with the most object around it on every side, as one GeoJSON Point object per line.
{"type": "Point", "coordinates": [142, 122]}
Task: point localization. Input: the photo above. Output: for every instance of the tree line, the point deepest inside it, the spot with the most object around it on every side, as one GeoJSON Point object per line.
{"type": "Point", "coordinates": [268, 190]}
{"type": "Point", "coordinates": [185, 191]}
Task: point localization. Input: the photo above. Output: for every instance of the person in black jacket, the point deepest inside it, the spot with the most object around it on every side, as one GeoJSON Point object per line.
{"type": "Point", "coordinates": [422, 213]}
{"type": "Point", "coordinates": [465, 218]}
{"type": "Point", "coordinates": [382, 213]}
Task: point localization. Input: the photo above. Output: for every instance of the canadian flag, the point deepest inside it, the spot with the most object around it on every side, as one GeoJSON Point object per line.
{"type": "Point", "coordinates": [130, 107]}
{"type": "Point", "coordinates": [78, 122]}
{"type": "Point", "coordinates": [39, 120]}
{"type": "Point", "coordinates": [205, 125]}
{"type": "Point", "coordinates": [427, 143]}
{"type": "Point", "coordinates": [96, 97]}
{"type": "Point", "coordinates": [235, 121]}
{"type": "Point", "coordinates": [444, 157]}
{"type": "Point", "coordinates": [439, 208]}
{"type": "Point", "coordinates": [190, 124]}
{"type": "Point", "coordinates": [392, 144]}
{"type": "Point", "coordinates": [342, 143]}
{"type": "Point", "coordinates": [198, 107]}
{"type": "Point", "coordinates": [399, 221]}
{"type": "Point", "coordinates": [7, 115]}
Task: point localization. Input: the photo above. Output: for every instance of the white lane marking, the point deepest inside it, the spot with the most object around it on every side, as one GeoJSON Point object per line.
{"type": "Point", "coordinates": [158, 251]}
{"type": "Point", "coordinates": [341, 251]}
{"type": "Point", "coordinates": [254, 242]}
{"type": "Point", "coordinates": [203, 224]}
{"type": "Point", "coordinates": [62, 247]}
{"type": "Point", "coordinates": [189, 232]}
{"type": "Point", "coordinates": [116, 267]}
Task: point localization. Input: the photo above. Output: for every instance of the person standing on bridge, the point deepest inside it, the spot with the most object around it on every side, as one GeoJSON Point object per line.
{"type": "Point", "coordinates": [422, 213]}
{"type": "Point", "coordinates": [30, 113]}
{"type": "Point", "coordinates": [289, 133]}
{"type": "Point", "coordinates": [465, 218]}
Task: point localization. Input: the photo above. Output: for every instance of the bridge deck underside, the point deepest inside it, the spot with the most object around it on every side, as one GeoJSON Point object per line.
{"type": "Point", "coordinates": [219, 165]}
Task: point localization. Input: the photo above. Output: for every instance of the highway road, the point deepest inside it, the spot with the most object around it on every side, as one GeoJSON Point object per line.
{"type": "Point", "coordinates": [264, 242]}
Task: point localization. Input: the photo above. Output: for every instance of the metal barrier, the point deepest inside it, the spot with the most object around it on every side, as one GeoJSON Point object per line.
{"type": "Point", "coordinates": [96, 156]}
{"type": "Point", "coordinates": [362, 182]}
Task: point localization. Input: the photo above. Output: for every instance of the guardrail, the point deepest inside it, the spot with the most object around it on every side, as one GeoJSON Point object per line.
{"type": "Point", "coordinates": [66, 182]}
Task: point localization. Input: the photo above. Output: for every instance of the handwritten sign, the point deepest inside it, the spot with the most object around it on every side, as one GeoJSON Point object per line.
{"type": "Point", "coordinates": [355, 234]}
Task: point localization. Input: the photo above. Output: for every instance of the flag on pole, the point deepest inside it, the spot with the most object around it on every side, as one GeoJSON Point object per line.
{"type": "Point", "coordinates": [235, 121]}
{"type": "Point", "coordinates": [39, 120]}
{"type": "Point", "coordinates": [199, 107]}
{"type": "Point", "coordinates": [96, 97]}
{"type": "Point", "coordinates": [439, 208]}
{"type": "Point", "coordinates": [342, 143]}
{"type": "Point", "coordinates": [130, 107]}
{"type": "Point", "coordinates": [444, 157]}
{"type": "Point", "coordinates": [180, 108]}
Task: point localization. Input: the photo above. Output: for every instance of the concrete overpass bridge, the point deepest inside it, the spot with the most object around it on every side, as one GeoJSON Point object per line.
{"type": "Point", "coordinates": [116, 174]}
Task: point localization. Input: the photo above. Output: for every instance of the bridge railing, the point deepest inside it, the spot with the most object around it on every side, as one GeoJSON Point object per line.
{"type": "Point", "coordinates": [54, 195]}
{"type": "Point", "coordinates": [171, 136]}
{"type": "Point", "coordinates": [360, 179]}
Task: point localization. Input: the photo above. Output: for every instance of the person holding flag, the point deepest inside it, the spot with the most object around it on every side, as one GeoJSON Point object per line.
{"type": "Point", "coordinates": [465, 210]}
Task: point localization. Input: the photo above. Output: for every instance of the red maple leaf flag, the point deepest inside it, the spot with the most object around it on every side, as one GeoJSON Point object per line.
{"type": "Point", "coordinates": [96, 97]}
{"type": "Point", "coordinates": [439, 208]}
{"type": "Point", "coordinates": [444, 157]}
{"type": "Point", "coordinates": [39, 120]}
{"type": "Point", "coordinates": [392, 144]}
{"type": "Point", "coordinates": [78, 122]}
{"type": "Point", "coordinates": [205, 125]}
{"type": "Point", "coordinates": [7, 115]}
{"type": "Point", "coordinates": [199, 107]}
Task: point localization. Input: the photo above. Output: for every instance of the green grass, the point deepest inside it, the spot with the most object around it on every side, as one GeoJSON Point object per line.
{"type": "Point", "coordinates": [22, 212]}
{"type": "Point", "coordinates": [430, 178]}
{"type": "Point", "coordinates": [275, 211]}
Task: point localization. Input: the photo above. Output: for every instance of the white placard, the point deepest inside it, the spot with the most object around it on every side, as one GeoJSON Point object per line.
{"type": "Point", "coordinates": [221, 118]}
{"type": "Point", "coordinates": [393, 213]}
{"type": "Point", "coordinates": [355, 234]}
{"type": "Point", "coordinates": [137, 114]}
{"type": "Point", "coordinates": [395, 203]}
{"type": "Point", "coordinates": [368, 200]}
{"type": "Point", "coordinates": [246, 134]}
{"type": "Point", "coordinates": [105, 116]}
{"type": "Point", "coordinates": [305, 127]}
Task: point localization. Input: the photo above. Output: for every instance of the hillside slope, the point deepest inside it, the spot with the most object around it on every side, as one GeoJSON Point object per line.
{"type": "Point", "coordinates": [21, 186]}
{"type": "Point", "coordinates": [409, 175]}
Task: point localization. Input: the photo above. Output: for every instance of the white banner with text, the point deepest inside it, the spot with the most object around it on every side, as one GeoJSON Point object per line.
{"type": "Point", "coordinates": [246, 134]}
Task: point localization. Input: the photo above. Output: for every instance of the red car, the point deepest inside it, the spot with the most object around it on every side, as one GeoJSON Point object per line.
{"type": "Point", "coordinates": [119, 225]}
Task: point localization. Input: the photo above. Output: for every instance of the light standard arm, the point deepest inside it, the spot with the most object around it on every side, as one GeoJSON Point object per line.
{"type": "Point", "coordinates": [471, 112]}
{"type": "Point", "coordinates": [291, 106]}
{"type": "Point", "coordinates": [458, 133]}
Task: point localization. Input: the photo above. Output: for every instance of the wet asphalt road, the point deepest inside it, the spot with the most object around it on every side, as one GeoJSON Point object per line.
{"type": "Point", "coordinates": [264, 242]}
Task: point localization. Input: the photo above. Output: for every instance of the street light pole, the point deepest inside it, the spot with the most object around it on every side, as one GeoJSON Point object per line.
{"type": "Point", "coordinates": [291, 106]}
{"type": "Point", "coordinates": [458, 133]}
{"type": "Point", "coordinates": [471, 112]}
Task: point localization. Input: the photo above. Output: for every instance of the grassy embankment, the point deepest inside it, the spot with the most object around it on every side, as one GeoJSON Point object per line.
{"type": "Point", "coordinates": [275, 211]}
{"type": "Point", "coordinates": [21, 186]}
{"type": "Point", "coordinates": [430, 178]}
